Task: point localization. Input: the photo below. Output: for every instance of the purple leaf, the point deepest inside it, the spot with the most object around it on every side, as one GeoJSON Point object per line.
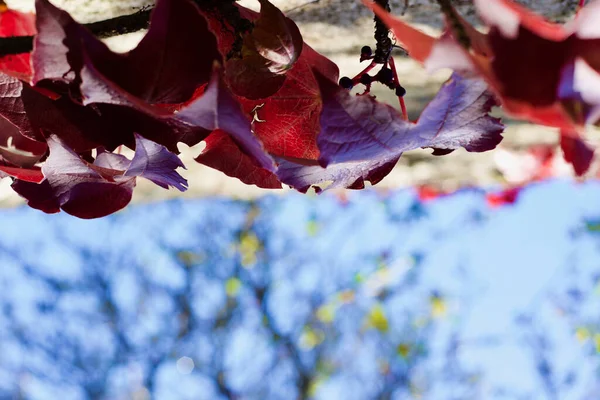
{"type": "Point", "coordinates": [56, 30]}
{"type": "Point", "coordinates": [75, 186]}
{"type": "Point", "coordinates": [362, 139]}
{"type": "Point", "coordinates": [80, 128]}
{"type": "Point", "coordinates": [357, 128]}
{"type": "Point", "coordinates": [154, 162]}
{"type": "Point", "coordinates": [105, 159]}
{"type": "Point", "coordinates": [458, 117]}
{"type": "Point", "coordinates": [88, 190]}
{"type": "Point", "coordinates": [15, 127]}
{"type": "Point", "coordinates": [351, 175]}
{"type": "Point", "coordinates": [215, 109]}
{"type": "Point", "coordinates": [164, 68]}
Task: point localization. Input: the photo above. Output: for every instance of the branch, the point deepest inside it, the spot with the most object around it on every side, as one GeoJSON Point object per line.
{"type": "Point", "coordinates": [457, 27]}
{"type": "Point", "coordinates": [102, 29]}
{"type": "Point", "coordinates": [384, 43]}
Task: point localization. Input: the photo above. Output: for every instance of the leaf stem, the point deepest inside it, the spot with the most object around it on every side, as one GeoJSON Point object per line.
{"type": "Point", "coordinates": [458, 29]}
{"type": "Point", "coordinates": [356, 79]}
{"type": "Point", "coordinates": [400, 98]}
{"type": "Point", "coordinates": [580, 5]}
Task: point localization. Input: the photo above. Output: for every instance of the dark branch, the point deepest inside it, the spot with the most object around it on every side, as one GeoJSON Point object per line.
{"type": "Point", "coordinates": [102, 29]}
{"type": "Point", "coordinates": [457, 27]}
{"type": "Point", "coordinates": [384, 43]}
{"type": "Point", "coordinates": [121, 25]}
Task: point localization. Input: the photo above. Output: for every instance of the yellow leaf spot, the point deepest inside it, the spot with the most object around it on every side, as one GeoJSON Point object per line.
{"type": "Point", "coordinates": [326, 313]}
{"type": "Point", "coordinates": [582, 334]}
{"type": "Point", "coordinates": [314, 386]}
{"type": "Point", "coordinates": [232, 286]}
{"type": "Point", "coordinates": [359, 278]}
{"type": "Point", "coordinates": [311, 338]}
{"type": "Point", "coordinates": [377, 319]}
{"type": "Point", "coordinates": [312, 228]}
{"type": "Point", "coordinates": [438, 306]}
{"type": "Point", "coordinates": [249, 246]}
{"type": "Point", "coordinates": [403, 350]}
{"type": "Point", "coordinates": [597, 342]}
{"type": "Point", "coordinates": [189, 258]}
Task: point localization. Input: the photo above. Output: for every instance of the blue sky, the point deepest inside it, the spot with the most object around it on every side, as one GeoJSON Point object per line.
{"type": "Point", "coordinates": [517, 286]}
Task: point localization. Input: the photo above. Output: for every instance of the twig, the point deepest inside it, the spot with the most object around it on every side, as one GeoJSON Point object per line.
{"type": "Point", "coordinates": [384, 43]}
{"type": "Point", "coordinates": [400, 98]}
{"type": "Point", "coordinates": [457, 27]}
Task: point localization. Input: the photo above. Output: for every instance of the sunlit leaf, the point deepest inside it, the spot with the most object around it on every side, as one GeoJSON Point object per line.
{"type": "Point", "coordinates": [377, 318]}
{"type": "Point", "coordinates": [232, 286]}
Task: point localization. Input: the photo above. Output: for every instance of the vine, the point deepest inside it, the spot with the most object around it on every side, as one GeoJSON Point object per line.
{"type": "Point", "coordinates": [274, 114]}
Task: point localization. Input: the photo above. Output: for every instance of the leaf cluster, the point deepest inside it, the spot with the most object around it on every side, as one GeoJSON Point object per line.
{"type": "Point", "coordinates": [270, 113]}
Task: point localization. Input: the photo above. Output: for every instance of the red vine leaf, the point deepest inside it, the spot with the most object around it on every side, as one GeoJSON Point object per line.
{"type": "Point", "coordinates": [576, 152]}
{"type": "Point", "coordinates": [165, 67]}
{"type": "Point", "coordinates": [16, 23]}
{"type": "Point", "coordinates": [223, 154]}
{"type": "Point", "coordinates": [77, 187]}
{"type": "Point", "coordinates": [362, 139]}
{"type": "Point", "coordinates": [25, 174]}
{"type": "Point", "coordinates": [214, 109]}
{"type": "Point", "coordinates": [92, 190]}
{"type": "Point", "coordinates": [522, 57]}
{"type": "Point", "coordinates": [268, 52]}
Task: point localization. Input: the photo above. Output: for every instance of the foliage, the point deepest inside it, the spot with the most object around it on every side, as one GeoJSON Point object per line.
{"type": "Point", "coordinates": [267, 106]}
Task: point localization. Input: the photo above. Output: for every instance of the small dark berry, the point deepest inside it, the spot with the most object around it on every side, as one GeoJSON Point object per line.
{"type": "Point", "coordinates": [366, 51]}
{"type": "Point", "coordinates": [385, 76]}
{"type": "Point", "coordinates": [366, 79]}
{"type": "Point", "coordinates": [400, 91]}
{"type": "Point", "coordinates": [346, 82]}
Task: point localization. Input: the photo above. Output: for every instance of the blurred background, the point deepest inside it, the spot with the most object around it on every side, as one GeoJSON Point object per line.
{"type": "Point", "coordinates": [468, 276]}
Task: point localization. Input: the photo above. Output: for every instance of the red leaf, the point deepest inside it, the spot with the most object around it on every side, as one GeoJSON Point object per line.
{"type": "Point", "coordinates": [504, 197]}
{"type": "Point", "coordinates": [15, 23]}
{"type": "Point", "coordinates": [427, 193]}
{"type": "Point", "coordinates": [286, 123]}
{"type": "Point", "coordinates": [25, 174]}
{"type": "Point", "coordinates": [576, 152]}
{"type": "Point", "coordinates": [163, 68]}
{"type": "Point", "coordinates": [522, 58]}
{"type": "Point", "coordinates": [269, 51]}
{"type": "Point", "coordinates": [223, 154]}
{"type": "Point", "coordinates": [215, 109]}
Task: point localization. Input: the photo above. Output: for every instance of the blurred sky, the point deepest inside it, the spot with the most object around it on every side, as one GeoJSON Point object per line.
{"type": "Point", "coordinates": [518, 284]}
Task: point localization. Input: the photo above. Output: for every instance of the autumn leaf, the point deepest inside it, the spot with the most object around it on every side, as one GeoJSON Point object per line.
{"type": "Point", "coordinates": [93, 190]}
{"type": "Point", "coordinates": [16, 23]}
{"type": "Point", "coordinates": [268, 52]}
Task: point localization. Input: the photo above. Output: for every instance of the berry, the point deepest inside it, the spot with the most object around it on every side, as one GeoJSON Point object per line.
{"type": "Point", "coordinates": [385, 75]}
{"type": "Point", "coordinates": [346, 82]}
{"type": "Point", "coordinates": [400, 91]}
{"type": "Point", "coordinates": [366, 79]}
{"type": "Point", "coordinates": [366, 51]}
